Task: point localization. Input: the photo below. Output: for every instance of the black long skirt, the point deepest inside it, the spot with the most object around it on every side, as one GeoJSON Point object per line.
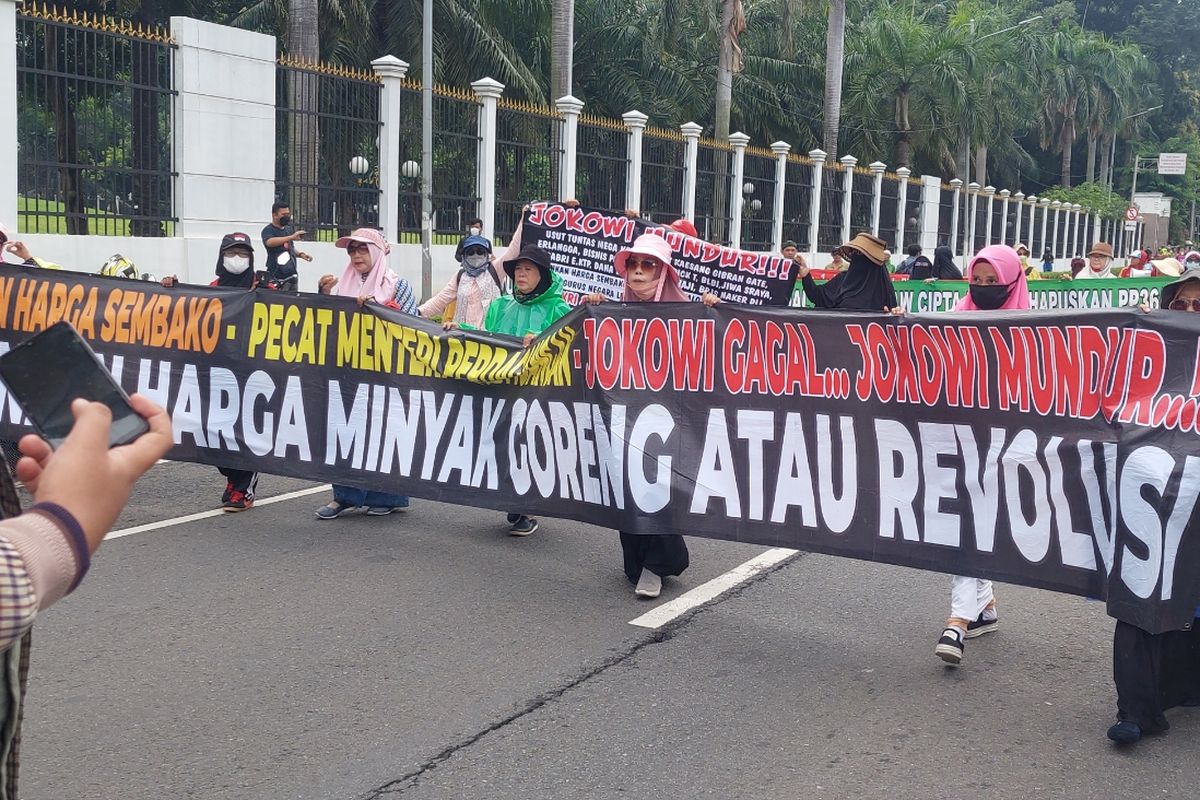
{"type": "Point", "coordinates": [663, 554]}
{"type": "Point", "coordinates": [1154, 673]}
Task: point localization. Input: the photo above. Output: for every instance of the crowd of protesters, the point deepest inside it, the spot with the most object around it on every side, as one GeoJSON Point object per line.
{"type": "Point", "coordinates": [518, 293]}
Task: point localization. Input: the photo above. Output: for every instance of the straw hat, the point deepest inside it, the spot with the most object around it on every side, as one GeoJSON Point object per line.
{"type": "Point", "coordinates": [870, 246]}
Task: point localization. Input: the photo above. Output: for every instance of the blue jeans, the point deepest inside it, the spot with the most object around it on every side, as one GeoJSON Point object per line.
{"type": "Point", "coordinates": [349, 496]}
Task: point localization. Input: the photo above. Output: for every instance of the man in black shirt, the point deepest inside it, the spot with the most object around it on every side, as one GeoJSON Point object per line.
{"type": "Point", "coordinates": [278, 237]}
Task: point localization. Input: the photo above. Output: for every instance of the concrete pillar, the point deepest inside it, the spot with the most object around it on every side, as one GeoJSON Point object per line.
{"type": "Point", "coordinates": [848, 164]}
{"type": "Point", "coordinates": [877, 170]}
{"type": "Point", "coordinates": [1045, 204]}
{"type": "Point", "coordinates": [1057, 205]}
{"type": "Point", "coordinates": [958, 185]}
{"type": "Point", "coordinates": [818, 157]}
{"type": "Point", "coordinates": [1004, 193]}
{"type": "Point", "coordinates": [488, 91]}
{"type": "Point", "coordinates": [901, 208]}
{"type": "Point", "coordinates": [570, 108]}
{"type": "Point", "coordinates": [990, 191]}
{"type": "Point", "coordinates": [635, 123]}
{"type": "Point", "coordinates": [972, 219]}
{"type": "Point", "coordinates": [931, 210]}
{"type": "Point", "coordinates": [781, 150]}
{"type": "Point", "coordinates": [691, 142]}
{"type": "Point", "coordinates": [223, 135]}
{"type": "Point", "coordinates": [392, 72]}
{"type": "Point", "coordinates": [1020, 198]}
{"type": "Point", "coordinates": [1075, 241]}
{"type": "Point", "coordinates": [737, 142]}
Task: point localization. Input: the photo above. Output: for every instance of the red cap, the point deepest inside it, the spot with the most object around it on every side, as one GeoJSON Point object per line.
{"type": "Point", "coordinates": [685, 226]}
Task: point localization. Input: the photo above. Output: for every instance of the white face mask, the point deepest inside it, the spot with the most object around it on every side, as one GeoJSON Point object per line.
{"type": "Point", "coordinates": [236, 265]}
{"type": "Point", "coordinates": [476, 231]}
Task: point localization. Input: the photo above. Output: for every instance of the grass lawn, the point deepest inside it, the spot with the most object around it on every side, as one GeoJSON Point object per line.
{"type": "Point", "coordinates": [48, 216]}
{"type": "Point", "coordinates": [35, 215]}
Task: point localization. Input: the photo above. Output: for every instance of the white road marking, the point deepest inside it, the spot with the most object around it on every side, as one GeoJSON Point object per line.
{"type": "Point", "coordinates": [706, 592]}
{"type": "Point", "coordinates": [169, 523]}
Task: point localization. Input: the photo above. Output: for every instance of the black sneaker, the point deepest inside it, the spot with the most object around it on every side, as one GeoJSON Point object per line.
{"type": "Point", "coordinates": [1125, 732]}
{"type": "Point", "coordinates": [523, 526]}
{"type": "Point", "coordinates": [228, 491]}
{"type": "Point", "coordinates": [950, 647]}
{"type": "Point", "coordinates": [512, 518]}
{"type": "Point", "coordinates": [981, 626]}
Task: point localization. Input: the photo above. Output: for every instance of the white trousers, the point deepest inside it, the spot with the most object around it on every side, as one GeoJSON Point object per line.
{"type": "Point", "coordinates": [969, 597]}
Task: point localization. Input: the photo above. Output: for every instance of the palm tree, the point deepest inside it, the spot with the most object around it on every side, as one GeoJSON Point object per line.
{"type": "Point", "coordinates": [835, 46]}
{"type": "Point", "coordinates": [562, 40]}
{"type": "Point", "coordinates": [907, 68]}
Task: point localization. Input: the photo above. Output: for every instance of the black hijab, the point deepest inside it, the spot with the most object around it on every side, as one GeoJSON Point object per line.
{"type": "Point", "coordinates": [864, 286]}
{"type": "Point", "coordinates": [944, 268]}
{"type": "Point", "coordinates": [921, 269]}
{"type": "Point", "coordinates": [224, 276]}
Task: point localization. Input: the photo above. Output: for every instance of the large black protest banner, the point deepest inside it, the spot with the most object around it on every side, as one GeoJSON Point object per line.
{"type": "Point", "coordinates": [583, 241]}
{"type": "Point", "coordinates": [1048, 450]}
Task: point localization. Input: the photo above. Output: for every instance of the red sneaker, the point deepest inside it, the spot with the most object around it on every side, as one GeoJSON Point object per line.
{"type": "Point", "coordinates": [238, 501]}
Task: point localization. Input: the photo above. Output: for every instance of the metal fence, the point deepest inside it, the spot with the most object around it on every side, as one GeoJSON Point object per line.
{"type": "Point", "coordinates": [662, 175]}
{"type": "Point", "coordinates": [93, 125]}
{"type": "Point", "coordinates": [529, 148]}
{"type": "Point", "coordinates": [913, 214]}
{"type": "Point", "coordinates": [714, 181]}
{"type": "Point", "coordinates": [758, 199]}
{"type": "Point", "coordinates": [455, 161]}
{"type": "Point", "coordinates": [829, 227]}
{"type": "Point", "coordinates": [602, 163]}
{"type": "Point", "coordinates": [862, 196]}
{"type": "Point", "coordinates": [797, 194]}
{"type": "Point", "coordinates": [946, 216]}
{"type": "Point", "coordinates": [889, 201]}
{"type": "Point", "coordinates": [327, 146]}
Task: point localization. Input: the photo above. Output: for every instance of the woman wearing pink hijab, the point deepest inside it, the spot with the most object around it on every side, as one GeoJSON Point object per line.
{"type": "Point", "coordinates": [650, 278]}
{"type": "Point", "coordinates": [996, 283]}
{"type": "Point", "coordinates": [367, 277]}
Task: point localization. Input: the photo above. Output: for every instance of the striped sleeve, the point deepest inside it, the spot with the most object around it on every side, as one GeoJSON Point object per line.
{"type": "Point", "coordinates": [404, 298]}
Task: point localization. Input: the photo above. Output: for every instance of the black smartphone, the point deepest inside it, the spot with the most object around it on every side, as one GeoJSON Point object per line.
{"type": "Point", "coordinates": [46, 372]}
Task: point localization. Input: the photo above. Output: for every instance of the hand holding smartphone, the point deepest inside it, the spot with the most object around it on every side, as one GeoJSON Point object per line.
{"type": "Point", "coordinates": [46, 372]}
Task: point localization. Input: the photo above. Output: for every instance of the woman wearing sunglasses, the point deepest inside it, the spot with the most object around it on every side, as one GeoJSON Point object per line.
{"type": "Point", "coordinates": [650, 278]}
{"type": "Point", "coordinates": [996, 282]}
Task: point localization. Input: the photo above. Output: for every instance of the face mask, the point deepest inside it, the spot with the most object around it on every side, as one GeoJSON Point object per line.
{"type": "Point", "coordinates": [285, 220]}
{"type": "Point", "coordinates": [236, 265]}
{"type": "Point", "coordinates": [476, 231]}
{"type": "Point", "coordinates": [989, 298]}
{"type": "Point", "coordinates": [474, 262]}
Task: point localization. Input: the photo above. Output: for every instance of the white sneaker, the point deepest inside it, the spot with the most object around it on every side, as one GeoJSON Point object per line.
{"type": "Point", "coordinates": [648, 585]}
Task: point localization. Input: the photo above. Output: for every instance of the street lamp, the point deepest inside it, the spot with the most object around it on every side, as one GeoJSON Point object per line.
{"type": "Point", "coordinates": [410, 169]}
{"type": "Point", "coordinates": [359, 166]}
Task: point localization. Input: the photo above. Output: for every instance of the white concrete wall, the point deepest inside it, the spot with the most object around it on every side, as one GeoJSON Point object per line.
{"type": "Point", "coordinates": [224, 128]}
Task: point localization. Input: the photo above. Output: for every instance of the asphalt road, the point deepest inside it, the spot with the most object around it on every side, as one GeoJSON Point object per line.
{"type": "Point", "coordinates": [429, 655]}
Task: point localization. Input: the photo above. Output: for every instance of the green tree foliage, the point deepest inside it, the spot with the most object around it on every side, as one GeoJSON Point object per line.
{"type": "Point", "coordinates": [928, 84]}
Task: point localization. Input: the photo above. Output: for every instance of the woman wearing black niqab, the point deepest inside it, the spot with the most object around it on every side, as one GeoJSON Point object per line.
{"type": "Point", "coordinates": [864, 286]}
{"type": "Point", "coordinates": [944, 268]}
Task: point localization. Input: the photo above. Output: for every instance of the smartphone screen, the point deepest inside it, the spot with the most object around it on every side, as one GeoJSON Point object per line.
{"type": "Point", "coordinates": [46, 372]}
